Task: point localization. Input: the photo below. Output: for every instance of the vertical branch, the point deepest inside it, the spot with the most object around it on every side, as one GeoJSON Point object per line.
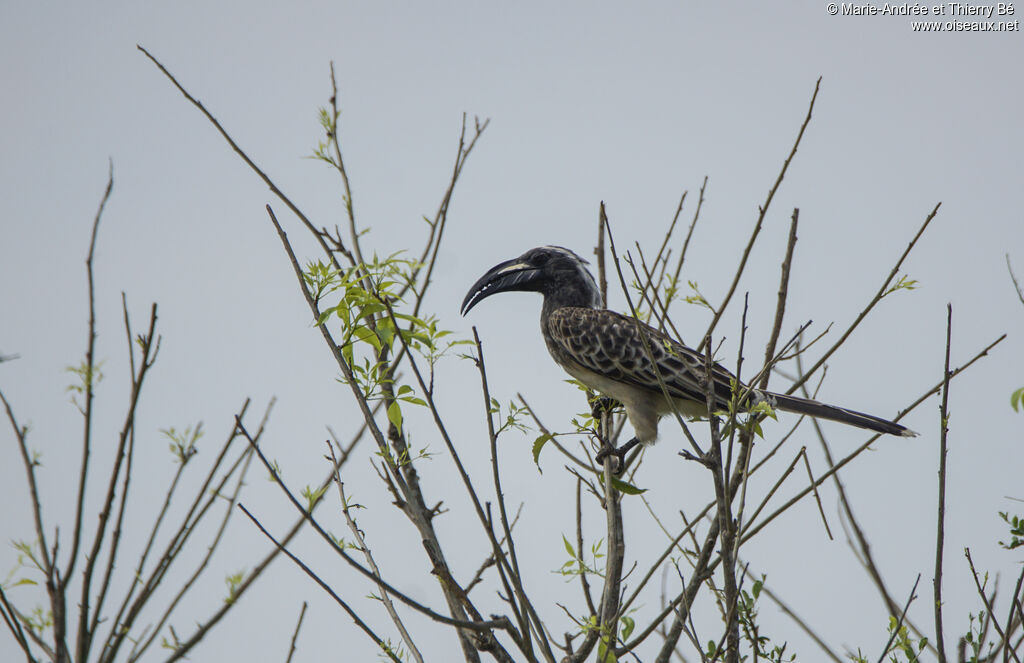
{"type": "Point", "coordinates": [724, 513]}
{"type": "Point", "coordinates": [940, 642]}
{"type": "Point", "coordinates": [616, 553]}
{"type": "Point", "coordinates": [150, 348]}
{"type": "Point", "coordinates": [90, 364]}
{"type": "Point", "coordinates": [780, 309]}
{"type": "Point", "coordinates": [492, 435]}
{"type": "Point", "coordinates": [340, 166]}
{"type": "Point", "coordinates": [115, 538]}
{"type": "Point", "coordinates": [581, 567]}
{"type": "Point", "coordinates": [602, 274]}
{"type": "Point", "coordinates": [517, 599]}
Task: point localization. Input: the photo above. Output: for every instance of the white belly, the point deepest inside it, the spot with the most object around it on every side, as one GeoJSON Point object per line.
{"type": "Point", "coordinates": [643, 407]}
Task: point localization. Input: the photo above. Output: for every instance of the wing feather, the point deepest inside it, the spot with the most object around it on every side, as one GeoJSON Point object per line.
{"type": "Point", "coordinates": [610, 344]}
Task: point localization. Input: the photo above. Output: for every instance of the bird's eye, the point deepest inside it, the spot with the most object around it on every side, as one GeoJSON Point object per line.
{"type": "Point", "coordinates": [540, 259]}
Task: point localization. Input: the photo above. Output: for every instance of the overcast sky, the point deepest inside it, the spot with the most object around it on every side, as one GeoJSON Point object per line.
{"type": "Point", "coordinates": [627, 103]}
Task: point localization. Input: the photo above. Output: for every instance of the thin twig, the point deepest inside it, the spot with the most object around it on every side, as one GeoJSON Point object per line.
{"type": "Point", "coordinates": [752, 531]}
{"type": "Point", "coordinates": [882, 292]}
{"type": "Point", "coordinates": [762, 211]}
{"type": "Point", "coordinates": [941, 519]}
{"type": "Point", "coordinates": [780, 308]}
{"type": "Point", "coordinates": [370, 562]}
{"type": "Point", "coordinates": [295, 634]}
{"type": "Point", "coordinates": [213, 494]}
{"type": "Point", "coordinates": [899, 622]}
{"type": "Point", "coordinates": [245, 157]}
{"type": "Point", "coordinates": [1014, 612]}
{"type": "Point", "coordinates": [686, 243]}
{"type": "Point", "coordinates": [1013, 277]}
{"type": "Point", "coordinates": [56, 582]}
{"type": "Point", "coordinates": [988, 603]}
{"type": "Point", "coordinates": [765, 591]}
{"type": "Point", "coordinates": [817, 498]}
{"type": "Point", "coordinates": [307, 517]}
{"type": "Point", "coordinates": [150, 348]}
{"type": "Point", "coordinates": [323, 585]}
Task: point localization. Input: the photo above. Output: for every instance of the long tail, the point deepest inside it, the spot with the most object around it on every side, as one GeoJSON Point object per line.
{"type": "Point", "coordinates": [842, 415]}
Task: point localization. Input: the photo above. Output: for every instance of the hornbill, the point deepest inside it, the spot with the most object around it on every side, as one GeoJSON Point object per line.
{"type": "Point", "coordinates": [605, 351]}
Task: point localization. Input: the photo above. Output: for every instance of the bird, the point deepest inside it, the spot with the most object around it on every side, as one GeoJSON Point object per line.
{"type": "Point", "coordinates": [622, 357]}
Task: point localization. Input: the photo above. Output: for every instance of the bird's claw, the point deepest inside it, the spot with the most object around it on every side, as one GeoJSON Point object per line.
{"type": "Point", "coordinates": [609, 450]}
{"type": "Point", "coordinates": [619, 453]}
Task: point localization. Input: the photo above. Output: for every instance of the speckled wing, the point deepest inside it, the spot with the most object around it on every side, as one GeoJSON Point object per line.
{"type": "Point", "coordinates": [609, 344]}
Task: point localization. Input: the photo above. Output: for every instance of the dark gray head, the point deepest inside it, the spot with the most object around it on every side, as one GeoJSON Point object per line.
{"type": "Point", "coordinates": [555, 272]}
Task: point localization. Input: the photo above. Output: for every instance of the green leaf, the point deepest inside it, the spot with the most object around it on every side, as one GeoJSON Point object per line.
{"type": "Point", "coordinates": [626, 488]}
{"type": "Point", "coordinates": [395, 415]}
{"type": "Point", "coordinates": [627, 627]}
{"type": "Point", "coordinates": [538, 444]}
{"type": "Point", "coordinates": [568, 547]}
{"type": "Point", "coordinates": [323, 317]}
{"type": "Point", "coordinates": [1017, 400]}
{"type": "Point", "coordinates": [603, 654]}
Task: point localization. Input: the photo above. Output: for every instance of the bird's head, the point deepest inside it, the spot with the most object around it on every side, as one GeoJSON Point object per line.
{"type": "Point", "coordinates": [555, 272]}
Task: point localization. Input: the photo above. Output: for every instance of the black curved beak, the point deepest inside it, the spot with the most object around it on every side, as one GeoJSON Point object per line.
{"type": "Point", "coordinates": [509, 275]}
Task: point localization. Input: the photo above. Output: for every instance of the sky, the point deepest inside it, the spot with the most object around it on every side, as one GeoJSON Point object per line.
{"type": "Point", "coordinates": [588, 102]}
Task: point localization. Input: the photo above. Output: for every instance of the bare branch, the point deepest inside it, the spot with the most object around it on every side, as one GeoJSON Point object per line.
{"type": "Point", "coordinates": [940, 641]}
{"type": "Point", "coordinates": [762, 211]}
{"type": "Point", "coordinates": [245, 157]}
{"type": "Point", "coordinates": [899, 623]}
{"type": "Point", "coordinates": [780, 308]}
{"type": "Point", "coordinates": [295, 634]}
{"type": "Point", "coordinates": [361, 543]}
{"type": "Point", "coordinates": [750, 531]}
{"type": "Point", "coordinates": [882, 290]}
{"type": "Point", "coordinates": [324, 586]}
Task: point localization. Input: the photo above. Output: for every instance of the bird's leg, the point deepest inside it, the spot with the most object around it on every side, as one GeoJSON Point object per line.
{"type": "Point", "coordinates": [620, 453]}
{"type": "Point", "coordinates": [600, 406]}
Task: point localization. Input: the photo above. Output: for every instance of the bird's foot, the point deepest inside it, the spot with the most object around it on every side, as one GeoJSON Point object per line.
{"type": "Point", "coordinates": [601, 405]}
{"type": "Point", "coordinates": [619, 453]}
